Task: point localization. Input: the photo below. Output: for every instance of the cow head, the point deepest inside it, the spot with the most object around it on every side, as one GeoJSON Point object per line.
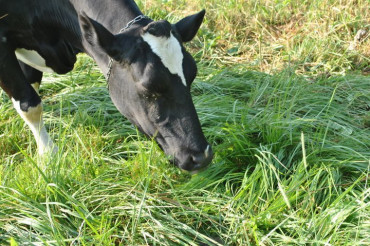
{"type": "Point", "coordinates": [150, 81]}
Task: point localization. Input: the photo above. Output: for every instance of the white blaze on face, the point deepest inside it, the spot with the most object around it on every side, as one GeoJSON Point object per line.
{"type": "Point", "coordinates": [33, 118]}
{"type": "Point", "coordinates": [170, 52]}
{"type": "Point", "coordinates": [33, 59]}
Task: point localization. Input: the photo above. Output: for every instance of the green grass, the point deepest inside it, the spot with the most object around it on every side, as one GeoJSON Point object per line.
{"type": "Point", "coordinates": [268, 35]}
{"type": "Point", "coordinates": [292, 145]}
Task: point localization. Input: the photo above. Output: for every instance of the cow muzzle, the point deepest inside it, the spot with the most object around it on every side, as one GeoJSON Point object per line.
{"type": "Point", "coordinates": [194, 161]}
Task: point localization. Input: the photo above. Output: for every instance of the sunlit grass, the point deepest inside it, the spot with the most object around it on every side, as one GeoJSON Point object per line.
{"type": "Point", "coordinates": [291, 167]}
{"type": "Point", "coordinates": [292, 150]}
{"type": "Point", "coordinates": [268, 35]}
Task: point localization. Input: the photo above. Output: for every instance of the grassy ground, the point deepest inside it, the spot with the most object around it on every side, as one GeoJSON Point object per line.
{"type": "Point", "coordinates": [281, 97]}
{"type": "Point", "coordinates": [317, 36]}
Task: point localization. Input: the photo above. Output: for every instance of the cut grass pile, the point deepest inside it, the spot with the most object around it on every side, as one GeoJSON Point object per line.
{"type": "Point", "coordinates": [292, 151]}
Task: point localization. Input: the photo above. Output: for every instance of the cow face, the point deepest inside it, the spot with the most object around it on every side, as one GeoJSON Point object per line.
{"type": "Point", "coordinates": [150, 83]}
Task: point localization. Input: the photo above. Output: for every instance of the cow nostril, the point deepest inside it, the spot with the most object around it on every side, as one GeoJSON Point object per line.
{"type": "Point", "coordinates": [203, 159]}
{"type": "Point", "coordinates": [208, 152]}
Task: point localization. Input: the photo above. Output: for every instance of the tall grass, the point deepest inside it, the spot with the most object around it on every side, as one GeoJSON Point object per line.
{"type": "Point", "coordinates": [292, 148]}
{"type": "Point", "coordinates": [267, 35]}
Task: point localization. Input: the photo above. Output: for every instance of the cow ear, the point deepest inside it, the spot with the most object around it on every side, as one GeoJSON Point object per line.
{"type": "Point", "coordinates": [188, 27]}
{"type": "Point", "coordinates": [96, 35]}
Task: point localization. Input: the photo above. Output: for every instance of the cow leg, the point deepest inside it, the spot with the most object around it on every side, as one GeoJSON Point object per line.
{"type": "Point", "coordinates": [25, 99]}
{"type": "Point", "coordinates": [32, 75]}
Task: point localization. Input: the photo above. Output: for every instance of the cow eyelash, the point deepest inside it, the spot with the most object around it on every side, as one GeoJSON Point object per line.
{"type": "Point", "coordinates": [153, 97]}
{"type": "Point", "coordinates": [150, 95]}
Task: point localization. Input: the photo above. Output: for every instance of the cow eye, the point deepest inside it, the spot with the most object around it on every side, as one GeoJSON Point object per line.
{"type": "Point", "coordinates": [150, 92]}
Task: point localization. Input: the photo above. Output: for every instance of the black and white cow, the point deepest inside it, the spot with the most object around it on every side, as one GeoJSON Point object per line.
{"type": "Point", "coordinates": [149, 72]}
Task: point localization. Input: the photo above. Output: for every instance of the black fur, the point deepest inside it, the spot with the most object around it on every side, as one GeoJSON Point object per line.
{"type": "Point", "coordinates": [140, 86]}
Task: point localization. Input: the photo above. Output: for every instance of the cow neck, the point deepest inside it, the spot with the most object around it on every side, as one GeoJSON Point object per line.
{"type": "Point", "coordinates": [117, 14]}
{"type": "Point", "coordinates": [113, 15]}
{"type": "Point", "coordinates": [128, 25]}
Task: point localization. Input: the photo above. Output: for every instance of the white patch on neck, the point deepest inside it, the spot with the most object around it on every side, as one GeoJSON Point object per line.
{"type": "Point", "coordinates": [33, 59]}
{"type": "Point", "coordinates": [169, 50]}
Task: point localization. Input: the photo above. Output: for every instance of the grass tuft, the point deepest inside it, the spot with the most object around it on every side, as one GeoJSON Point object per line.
{"type": "Point", "coordinates": [282, 100]}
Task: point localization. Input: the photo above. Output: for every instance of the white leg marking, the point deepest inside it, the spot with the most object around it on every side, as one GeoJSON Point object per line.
{"type": "Point", "coordinates": [33, 118]}
{"type": "Point", "coordinates": [33, 59]}
{"type": "Point", "coordinates": [170, 52]}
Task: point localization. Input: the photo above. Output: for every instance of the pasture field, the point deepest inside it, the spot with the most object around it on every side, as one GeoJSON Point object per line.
{"type": "Point", "coordinates": [283, 95]}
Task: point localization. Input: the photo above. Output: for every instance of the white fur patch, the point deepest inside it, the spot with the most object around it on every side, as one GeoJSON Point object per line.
{"type": "Point", "coordinates": [33, 59]}
{"type": "Point", "coordinates": [33, 118]}
{"type": "Point", "coordinates": [169, 50]}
